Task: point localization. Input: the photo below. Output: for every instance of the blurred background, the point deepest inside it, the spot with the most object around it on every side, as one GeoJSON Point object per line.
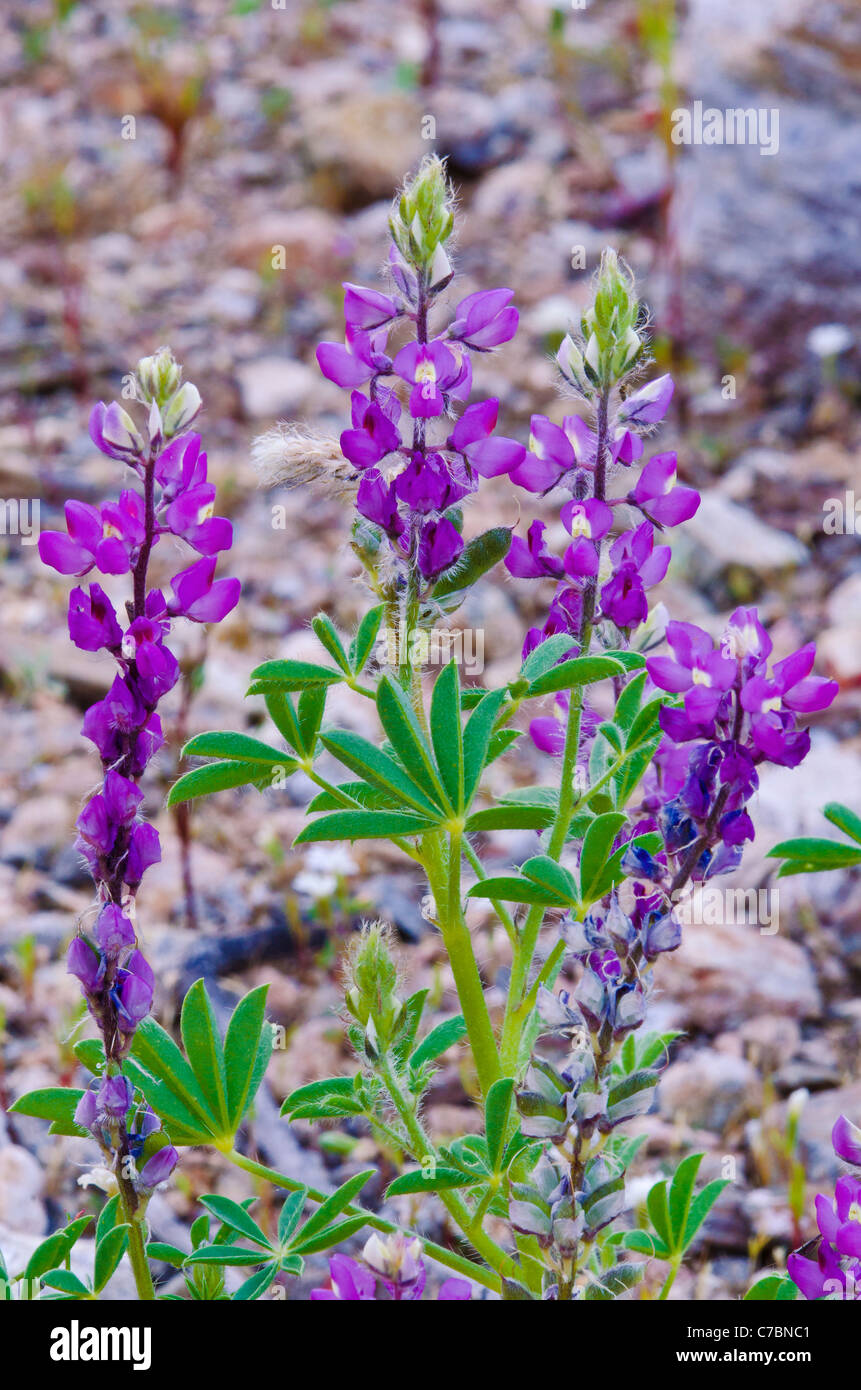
{"type": "Point", "coordinates": [205, 174]}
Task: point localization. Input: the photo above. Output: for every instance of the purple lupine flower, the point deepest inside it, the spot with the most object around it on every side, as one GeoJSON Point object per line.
{"type": "Point", "coordinates": [92, 620]}
{"type": "Point", "coordinates": [357, 360]}
{"type": "Point", "coordinates": [440, 545]}
{"type": "Point", "coordinates": [191, 517]}
{"type": "Point", "coordinates": [87, 1110]}
{"type": "Point", "coordinates": [696, 670]}
{"type": "Point", "coordinates": [366, 309]}
{"type": "Point", "coordinates": [113, 930]}
{"type": "Point", "coordinates": [637, 565]}
{"type": "Point", "coordinates": [549, 457]}
{"type": "Point", "coordinates": [656, 494]}
{"type": "Point", "coordinates": [351, 1282]}
{"type": "Point", "coordinates": [374, 432]}
{"type": "Point", "coordinates": [588, 522]}
{"type": "Point", "coordinates": [846, 1139]}
{"type": "Point", "coordinates": [485, 320]}
{"type": "Point", "coordinates": [649, 404]}
{"type": "Point", "coordinates": [113, 431]}
{"type": "Point", "coordinates": [435, 371]}
{"type": "Point", "coordinates": [488, 454]}
{"type": "Point", "coordinates": [114, 1097]}
{"type": "Point", "coordinates": [530, 559]}
{"type": "Point", "coordinates": [197, 596]}
{"type": "Point", "coordinates": [158, 1168]}
{"type": "Point", "coordinates": [377, 502]}
{"type": "Point", "coordinates": [85, 964]}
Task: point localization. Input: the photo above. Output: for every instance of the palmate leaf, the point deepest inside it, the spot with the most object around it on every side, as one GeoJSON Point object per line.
{"type": "Point", "coordinates": [55, 1103]}
{"type": "Point", "coordinates": [203, 1098]}
{"type": "Point", "coordinates": [676, 1211]}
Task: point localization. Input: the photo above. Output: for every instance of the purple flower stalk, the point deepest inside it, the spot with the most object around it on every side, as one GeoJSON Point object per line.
{"type": "Point", "coordinates": [174, 499]}
{"type": "Point", "coordinates": [409, 482]}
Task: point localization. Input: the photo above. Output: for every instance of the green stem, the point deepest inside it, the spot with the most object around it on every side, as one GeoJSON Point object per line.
{"type": "Point", "coordinates": [449, 1258]}
{"type": "Point", "coordinates": [137, 1255]}
{"type": "Point", "coordinates": [670, 1279]}
{"type": "Point", "coordinates": [470, 991]}
{"type": "Point", "coordinates": [470, 1224]}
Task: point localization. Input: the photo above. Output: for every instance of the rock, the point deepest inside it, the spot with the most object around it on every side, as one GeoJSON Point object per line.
{"type": "Point", "coordinates": [710, 1090]}
{"type": "Point", "coordinates": [20, 1190]}
{"type": "Point", "coordinates": [723, 535]}
{"type": "Point", "coordinates": [274, 386]}
{"type": "Point", "coordinates": [724, 974]}
{"type": "Point", "coordinates": [37, 830]}
{"type": "Point", "coordinates": [769, 268]}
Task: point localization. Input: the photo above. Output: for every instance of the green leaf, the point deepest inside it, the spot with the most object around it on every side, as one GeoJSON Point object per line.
{"type": "Point", "coordinates": [290, 1214]}
{"type": "Point", "coordinates": [236, 1217]}
{"type": "Point", "coordinates": [219, 777]}
{"type": "Point", "coordinates": [408, 1026]}
{"type": "Point", "coordinates": [282, 712]}
{"type": "Point", "coordinates": [511, 889]}
{"type": "Point", "coordinates": [628, 703]}
{"type": "Point", "coordinates": [447, 733]}
{"type": "Point", "coordinates": [507, 817]}
{"type": "Point", "coordinates": [645, 1244]}
{"type": "Point", "coordinates": [163, 1253]}
{"type": "Point", "coordinates": [242, 1042]}
{"type": "Point", "coordinates": [156, 1050]}
{"type": "Point", "coordinates": [700, 1208]}
{"type": "Point", "coordinates": [844, 819]}
{"type": "Point", "coordinates": [223, 1255]}
{"type": "Point", "coordinates": [327, 634]}
{"type": "Point", "coordinates": [57, 1103]}
{"type": "Point", "coordinates": [257, 1285]}
{"type": "Point", "coordinates": [109, 1252]}
{"type": "Point", "coordinates": [365, 639]}
{"type": "Point", "coordinates": [237, 747]}
{"type": "Point", "coordinates": [369, 798]}
{"type": "Point", "coordinates": [440, 1180]}
{"type": "Point", "coordinates": [582, 670]}
{"type": "Point", "coordinates": [203, 1047]}
{"type": "Point", "coordinates": [407, 738]}
{"type": "Point", "coordinates": [545, 871]}
{"type": "Point", "coordinates": [680, 1196]}
{"type": "Point", "coordinates": [90, 1053]}
{"type": "Point", "coordinates": [66, 1282]}
{"type": "Point", "coordinates": [363, 825]}
{"type": "Point", "coordinates": [47, 1255]}
{"type": "Point", "coordinates": [658, 1209]}
{"type": "Point", "coordinates": [645, 725]}
{"type": "Point", "coordinates": [597, 843]}
{"type": "Point", "coordinates": [817, 854]}
{"type": "Point", "coordinates": [476, 740]}
{"type": "Point", "coordinates": [333, 1206]}
{"type": "Point", "coordinates": [314, 1091]}
{"type": "Point", "coordinates": [332, 1235]}
{"type": "Point", "coordinates": [632, 661]}
{"type": "Point", "coordinates": [773, 1288]}
{"type": "Point", "coordinates": [381, 770]}
{"type": "Point", "coordinates": [496, 1111]}
{"type": "Point", "coordinates": [477, 557]}
{"type": "Point", "coordinates": [108, 1218]}
{"type": "Point", "coordinates": [546, 654]}
{"type": "Point", "coordinates": [291, 676]}
{"type": "Point", "coordinates": [312, 704]}
{"type": "Point", "coordinates": [439, 1040]}
{"type": "Point", "coordinates": [610, 1283]}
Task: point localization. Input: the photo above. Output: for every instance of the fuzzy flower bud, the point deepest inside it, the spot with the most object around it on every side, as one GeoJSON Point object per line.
{"type": "Point", "coordinates": [422, 217]}
{"type": "Point", "coordinates": [372, 980]}
{"type": "Point", "coordinates": [159, 377]}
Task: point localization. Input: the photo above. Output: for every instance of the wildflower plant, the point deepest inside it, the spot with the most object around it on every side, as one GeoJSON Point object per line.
{"type": "Point", "coordinates": [652, 760]}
